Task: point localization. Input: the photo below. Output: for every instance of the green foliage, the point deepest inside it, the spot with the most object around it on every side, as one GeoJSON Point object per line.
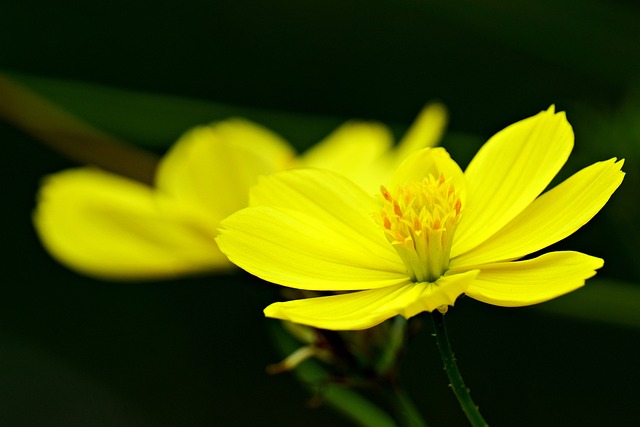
{"type": "Point", "coordinates": [155, 121]}
{"type": "Point", "coordinates": [78, 351]}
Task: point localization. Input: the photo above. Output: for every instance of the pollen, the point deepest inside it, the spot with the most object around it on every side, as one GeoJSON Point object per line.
{"type": "Point", "coordinates": [419, 219]}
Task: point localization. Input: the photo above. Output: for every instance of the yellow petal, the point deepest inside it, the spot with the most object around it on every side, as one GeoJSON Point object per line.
{"type": "Point", "coordinates": [334, 202]}
{"type": "Point", "coordinates": [214, 166]}
{"type": "Point", "coordinates": [426, 130]}
{"type": "Point", "coordinates": [430, 161]}
{"type": "Point", "coordinates": [312, 229]}
{"type": "Point", "coordinates": [350, 150]}
{"type": "Point", "coordinates": [550, 218]}
{"type": "Point", "coordinates": [365, 309]}
{"type": "Point", "coordinates": [509, 172]}
{"type": "Point", "coordinates": [515, 284]}
{"type": "Point", "coordinates": [298, 250]}
{"type": "Point", "coordinates": [107, 226]}
{"type": "Point", "coordinates": [322, 228]}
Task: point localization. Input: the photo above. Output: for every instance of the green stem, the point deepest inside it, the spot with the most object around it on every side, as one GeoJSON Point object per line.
{"type": "Point", "coordinates": [457, 384]}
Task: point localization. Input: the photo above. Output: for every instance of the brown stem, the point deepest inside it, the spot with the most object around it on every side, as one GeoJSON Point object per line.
{"type": "Point", "coordinates": [70, 136]}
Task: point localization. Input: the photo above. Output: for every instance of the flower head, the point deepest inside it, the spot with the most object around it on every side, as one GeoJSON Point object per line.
{"type": "Point", "coordinates": [109, 226]}
{"type": "Point", "coordinates": [419, 220]}
{"type": "Point", "coordinates": [433, 233]}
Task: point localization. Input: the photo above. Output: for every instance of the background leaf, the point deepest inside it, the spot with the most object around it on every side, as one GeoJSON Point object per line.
{"type": "Point", "coordinates": [192, 352]}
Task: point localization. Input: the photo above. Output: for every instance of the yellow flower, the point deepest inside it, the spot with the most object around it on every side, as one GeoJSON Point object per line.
{"type": "Point", "coordinates": [112, 227]}
{"type": "Point", "coordinates": [434, 233]}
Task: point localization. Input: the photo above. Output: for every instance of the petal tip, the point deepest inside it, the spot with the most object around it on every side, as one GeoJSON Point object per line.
{"type": "Point", "coordinates": [273, 311]}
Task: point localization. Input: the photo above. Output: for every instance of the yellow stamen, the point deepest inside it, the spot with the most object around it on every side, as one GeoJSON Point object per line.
{"type": "Point", "coordinates": [419, 219]}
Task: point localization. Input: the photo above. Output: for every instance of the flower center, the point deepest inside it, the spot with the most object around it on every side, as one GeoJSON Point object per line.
{"type": "Point", "coordinates": [419, 220]}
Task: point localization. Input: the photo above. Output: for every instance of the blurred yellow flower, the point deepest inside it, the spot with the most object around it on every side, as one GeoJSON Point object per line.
{"type": "Point", "coordinates": [112, 227]}
{"type": "Point", "coordinates": [434, 233]}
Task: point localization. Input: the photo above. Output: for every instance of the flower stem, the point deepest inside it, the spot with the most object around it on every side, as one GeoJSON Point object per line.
{"type": "Point", "coordinates": [457, 384]}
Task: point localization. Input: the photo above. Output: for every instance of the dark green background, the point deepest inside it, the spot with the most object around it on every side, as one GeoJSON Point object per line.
{"type": "Point", "coordinates": [79, 352]}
